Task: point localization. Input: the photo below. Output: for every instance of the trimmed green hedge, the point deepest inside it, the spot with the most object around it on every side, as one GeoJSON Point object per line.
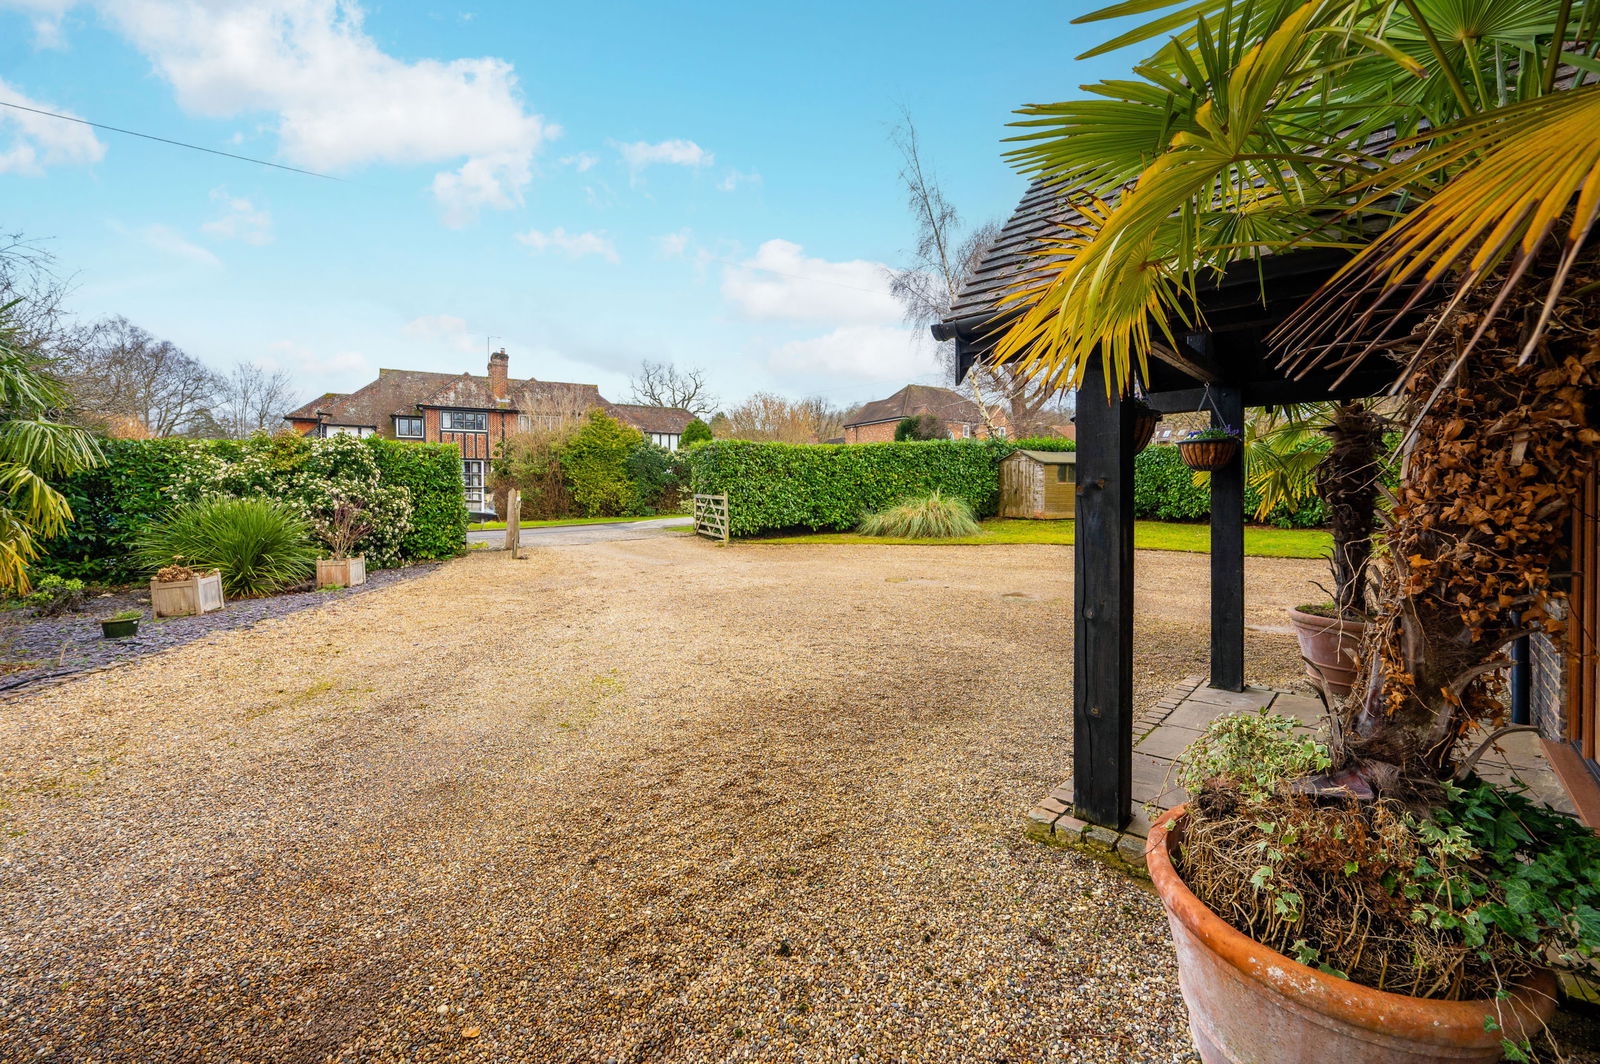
{"type": "Point", "coordinates": [831, 487]}
{"type": "Point", "coordinates": [142, 479]}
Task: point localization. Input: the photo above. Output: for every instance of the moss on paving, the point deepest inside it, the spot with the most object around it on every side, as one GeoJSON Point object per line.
{"type": "Point", "coordinates": [1259, 541]}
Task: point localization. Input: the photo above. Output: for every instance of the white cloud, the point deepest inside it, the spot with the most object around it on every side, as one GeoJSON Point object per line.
{"type": "Point", "coordinates": [780, 283]}
{"type": "Point", "coordinates": [581, 162]}
{"type": "Point", "coordinates": [30, 142]}
{"type": "Point", "coordinates": [575, 245]}
{"type": "Point", "coordinates": [864, 352]}
{"type": "Point", "coordinates": [734, 178]}
{"type": "Point", "coordinates": [339, 100]}
{"type": "Point", "coordinates": [240, 220]}
{"type": "Point", "coordinates": [306, 361]}
{"type": "Point", "coordinates": [169, 241]}
{"type": "Point", "coordinates": [673, 245]}
{"type": "Point", "coordinates": [640, 154]}
{"type": "Point", "coordinates": [443, 329]}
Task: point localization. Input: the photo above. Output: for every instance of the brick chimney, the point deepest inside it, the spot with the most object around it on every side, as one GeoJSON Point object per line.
{"type": "Point", "coordinates": [499, 365]}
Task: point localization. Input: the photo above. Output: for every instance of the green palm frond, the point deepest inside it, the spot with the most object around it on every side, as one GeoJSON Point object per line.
{"type": "Point", "coordinates": [1136, 262]}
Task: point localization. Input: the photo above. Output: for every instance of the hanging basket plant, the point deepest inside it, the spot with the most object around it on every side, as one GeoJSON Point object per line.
{"type": "Point", "coordinates": [1209, 448]}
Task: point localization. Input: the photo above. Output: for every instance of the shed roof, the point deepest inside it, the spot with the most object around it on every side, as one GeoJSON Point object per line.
{"type": "Point", "coordinates": [1048, 457]}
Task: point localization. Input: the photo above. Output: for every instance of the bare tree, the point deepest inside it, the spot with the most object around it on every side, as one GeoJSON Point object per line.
{"type": "Point", "coordinates": [765, 416]}
{"type": "Point", "coordinates": [927, 288]}
{"type": "Point", "coordinates": [252, 399]}
{"type": "Point", "coordinates": [29, 284]}
{"type": "Point", "coordinates": [124, 378]}
{"type": "Point", "coordinates": [663, 384]}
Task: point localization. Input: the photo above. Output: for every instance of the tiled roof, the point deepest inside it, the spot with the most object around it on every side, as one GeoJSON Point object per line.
{"type": "Point", "coordinates": [402, 391]}
{"type": "Point", "coordinates": [916, 399]}
{"type": "Point", "coordinates": [668, 419]}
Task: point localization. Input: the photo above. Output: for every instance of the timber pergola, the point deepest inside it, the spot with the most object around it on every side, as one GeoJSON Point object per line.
{"type": "Point", "coordinates": [1223, 368]}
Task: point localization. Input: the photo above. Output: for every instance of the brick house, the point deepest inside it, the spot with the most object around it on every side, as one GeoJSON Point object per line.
{"type": "Point", "coordinates": [875, 422]}
{"type": "Point", "coordinates": [474, 413]}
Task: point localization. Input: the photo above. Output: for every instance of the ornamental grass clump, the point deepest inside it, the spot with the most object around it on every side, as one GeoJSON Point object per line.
{"type": "Point", "coordinates": [259, 545]}
{"type": "Point", "coordinates": [933, 516]}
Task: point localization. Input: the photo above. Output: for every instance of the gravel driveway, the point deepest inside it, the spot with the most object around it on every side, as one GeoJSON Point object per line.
{"type": "Point", "coordinates": [653, 800]}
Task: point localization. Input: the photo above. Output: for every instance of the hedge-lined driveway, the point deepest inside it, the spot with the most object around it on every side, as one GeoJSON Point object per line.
{"type": "Point", "coordinates": [640, 801]}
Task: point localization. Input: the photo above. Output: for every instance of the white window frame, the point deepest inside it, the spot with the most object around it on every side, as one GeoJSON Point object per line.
{"type": "Point", "coordinates": [422, 429]}
{"type": "Point", "coordinates": [360, 431]}
{"type": "Point", "coordinates": [472, 485]}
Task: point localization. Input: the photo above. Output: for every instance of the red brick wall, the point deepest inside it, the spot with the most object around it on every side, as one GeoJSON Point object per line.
{"type": "Point", "coordinates": [304, 427]}
{"type": "Point", "coordinates": [883, 432]}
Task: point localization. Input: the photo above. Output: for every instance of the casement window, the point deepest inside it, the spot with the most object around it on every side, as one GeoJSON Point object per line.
{"type": "Point", "coordinates": [347, 430]}
{"type": "Point", "coordinates": [669, 440]}
{"type": "Point", "coordinates": [464, 421]}
{"type": "Point", "coordinates": [408, 428]}
{"type": "Point", "coordinates": [966, 431]}
{"type": "Point", "coordinates": [472, 482]}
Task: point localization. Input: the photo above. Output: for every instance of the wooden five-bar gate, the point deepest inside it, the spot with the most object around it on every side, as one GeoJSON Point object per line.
{"type": "Point", "coordinates": [711, 516]}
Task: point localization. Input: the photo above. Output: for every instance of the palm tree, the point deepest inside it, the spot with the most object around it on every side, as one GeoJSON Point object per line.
{"type": "Point", "coordinates": [34, 448]}
{"type": "Point", "coordinates": [1449, 145]}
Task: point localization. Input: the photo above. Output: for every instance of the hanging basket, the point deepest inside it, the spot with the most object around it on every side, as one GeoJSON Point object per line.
{"type": "Point", "coordinates": [1208, 454]}
{"type": "Point", "coordinates": [1144, 427]}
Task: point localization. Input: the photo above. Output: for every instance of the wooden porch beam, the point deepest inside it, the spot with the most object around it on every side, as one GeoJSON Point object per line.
{"type": "Point", "coordinates": [1227, 551]}
{"type": "Point", "coordinates": [1102, 687]}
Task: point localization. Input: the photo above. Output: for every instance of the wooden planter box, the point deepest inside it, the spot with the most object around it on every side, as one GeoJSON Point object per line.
{"type": "Point", "coordinates": [1208, 454]}
{"type": "Point", "coordinates": [186, 598]}
{"type": "Point", "coordinates": [342, 572]}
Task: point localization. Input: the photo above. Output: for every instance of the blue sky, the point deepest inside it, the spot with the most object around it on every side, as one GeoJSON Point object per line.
{"type": "Point", "coordinates": [591, 184]}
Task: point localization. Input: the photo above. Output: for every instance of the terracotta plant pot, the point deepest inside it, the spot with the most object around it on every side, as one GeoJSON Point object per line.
{"type": "Point", "coordinates": [1329, 646]}
{"type": "Point", "coordinates": [1251, 1005]}
{"type": "Point", "coordinates": [1208, 454]}
{"type": "Point", "coordinates": [342, 572]}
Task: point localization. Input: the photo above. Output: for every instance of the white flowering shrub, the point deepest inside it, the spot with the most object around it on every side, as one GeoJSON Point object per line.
{"type": "Point", "coordinates": [312, 475]}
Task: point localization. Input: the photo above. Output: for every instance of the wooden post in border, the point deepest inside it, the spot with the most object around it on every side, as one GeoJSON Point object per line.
{"type": "Point", "coordinates": [513, 521]}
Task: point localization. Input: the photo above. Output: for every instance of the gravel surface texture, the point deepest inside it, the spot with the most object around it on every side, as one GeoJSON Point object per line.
{"type": "Point", "coordinates": [654, 800]}
{"type": "Point", "coordinates": [35, 649]}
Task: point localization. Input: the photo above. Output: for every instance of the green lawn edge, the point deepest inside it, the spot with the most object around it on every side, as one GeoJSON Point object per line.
{"type": "Point", "coordinates": [1260, 541]}
{"type": "Point", "coordinates": [500, 526]}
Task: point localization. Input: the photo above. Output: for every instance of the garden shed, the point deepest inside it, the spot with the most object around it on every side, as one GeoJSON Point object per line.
{"type": "Point", "coordinates": [1039, 484]}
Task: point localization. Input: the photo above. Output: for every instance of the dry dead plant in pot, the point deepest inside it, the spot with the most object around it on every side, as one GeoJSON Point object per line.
{"type": "Point", "coordinates": [341, 530]}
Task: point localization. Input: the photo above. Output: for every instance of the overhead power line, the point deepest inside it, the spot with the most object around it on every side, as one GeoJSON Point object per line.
{"type": "Point", "coordinates": [165, 140]}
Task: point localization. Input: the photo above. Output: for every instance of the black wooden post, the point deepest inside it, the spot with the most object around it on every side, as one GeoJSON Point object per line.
{"type": "Point", "coordinates": [1227, 552]}
{"type": "Point", "coordinates": [1102, 685]}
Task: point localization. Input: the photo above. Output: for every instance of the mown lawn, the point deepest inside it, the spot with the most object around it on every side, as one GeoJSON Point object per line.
{"type": "Point", "coordinates": [1259, 541]}
{"type": "Point", "coordinates": [498, 526]}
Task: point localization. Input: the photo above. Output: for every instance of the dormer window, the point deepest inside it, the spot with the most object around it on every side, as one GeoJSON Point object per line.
{"type": "Point", "coordinates": [464, 421]}
{"type": "Point", "coordinates": [408, 428]}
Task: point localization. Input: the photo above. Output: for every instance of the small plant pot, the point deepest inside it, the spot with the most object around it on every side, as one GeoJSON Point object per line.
{"type": "Point", "coordinates": [119, 629]}
{"type": "Point", "coordinates": [1208, 454]}
{"type": "Point", "coordinates": [186, 598]}
{"type": "Point", "coordinates": [342, 572]}
{"type": "Point", "coordinates": [1250, 1003]}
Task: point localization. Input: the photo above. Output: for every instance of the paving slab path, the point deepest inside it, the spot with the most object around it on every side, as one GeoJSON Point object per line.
{"type": "Point", "coordinates": [651, 800]}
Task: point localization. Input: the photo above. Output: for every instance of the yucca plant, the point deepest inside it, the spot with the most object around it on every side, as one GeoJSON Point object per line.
{"type": "Point", "coordinates": [932, 516]}
{"type": "Point", "coordinates": [260, 545]}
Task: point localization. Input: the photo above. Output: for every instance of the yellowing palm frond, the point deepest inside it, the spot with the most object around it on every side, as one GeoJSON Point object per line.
{"type": "Point", "coordinates": [1492, 189]}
